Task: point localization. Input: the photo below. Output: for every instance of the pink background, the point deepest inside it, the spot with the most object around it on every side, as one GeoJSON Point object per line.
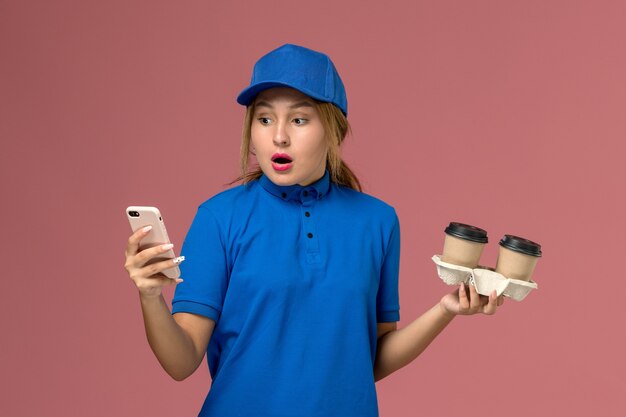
{"type": "Point", "coordinates": [504, 114]}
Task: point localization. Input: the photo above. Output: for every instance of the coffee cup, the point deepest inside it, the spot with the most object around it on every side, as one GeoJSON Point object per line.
{"type": "Point", "coordinates": [463, 244]}
{"type": "Point", "coordinates": [517, 257]}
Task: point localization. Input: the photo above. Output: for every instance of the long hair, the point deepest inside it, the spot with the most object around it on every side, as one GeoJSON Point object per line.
{"type": "Point", "coordinates": [336, 128]}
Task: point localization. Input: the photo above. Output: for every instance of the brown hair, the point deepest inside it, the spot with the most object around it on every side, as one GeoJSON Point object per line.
{"type": "Point", "coordinates": [336, 128]}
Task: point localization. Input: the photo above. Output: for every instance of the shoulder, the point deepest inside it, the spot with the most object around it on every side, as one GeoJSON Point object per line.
{"type": "Point", "coordinates": [224, 208]}
{"type": "Point", "coordinates": [227, 200]}
{"type": "Point", "coordinates": [364, 211]}
{"type": "Point", "coordinates": [365, 203]}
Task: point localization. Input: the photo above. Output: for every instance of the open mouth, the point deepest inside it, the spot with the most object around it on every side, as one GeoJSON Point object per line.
{"type": "Point", "coordinates": [281, 162]}
{"type": "Point", "coordinates": [281, 159]}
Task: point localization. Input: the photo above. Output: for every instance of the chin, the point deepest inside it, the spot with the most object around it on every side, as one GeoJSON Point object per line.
{"type": "Point", "coordinates": [280, 179]}
{"type": "Point", "coordinates": [283, 180]}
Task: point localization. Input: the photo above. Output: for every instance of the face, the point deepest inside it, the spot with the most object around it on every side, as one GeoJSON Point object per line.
{"type": "Point", "coordinates": [288, 137]}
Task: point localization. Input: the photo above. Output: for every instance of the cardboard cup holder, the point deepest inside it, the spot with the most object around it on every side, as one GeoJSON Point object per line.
{"type": "Point", "coordinates": [484, 279]}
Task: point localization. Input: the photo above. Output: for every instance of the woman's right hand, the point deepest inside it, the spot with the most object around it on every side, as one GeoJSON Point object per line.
{"type": "Point", "coordinates": [149, 279]}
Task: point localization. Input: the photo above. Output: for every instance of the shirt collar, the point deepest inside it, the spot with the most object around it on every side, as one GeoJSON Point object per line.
{"type": "Point", "coordinates": [297, 192]}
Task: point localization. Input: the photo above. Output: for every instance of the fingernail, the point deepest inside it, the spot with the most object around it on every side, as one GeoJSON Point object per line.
{"type": "Point", "coordinates": [146, 229]}
{"type": "Point", "coordinates": [167, 246]}
{"type": "Point", "coordinates": [178, 280]}
{"type": "Point", "coordinates": [178, 260]}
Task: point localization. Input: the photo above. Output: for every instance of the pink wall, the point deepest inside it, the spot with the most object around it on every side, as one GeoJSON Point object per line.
{"type": "Point", "coordinates": [504, 114]}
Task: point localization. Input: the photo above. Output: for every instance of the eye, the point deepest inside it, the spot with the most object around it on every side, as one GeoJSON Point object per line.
{"type": "Point", "coordinates": [264, 120]}
{"type": "Point", "coordinates": [300, 121]}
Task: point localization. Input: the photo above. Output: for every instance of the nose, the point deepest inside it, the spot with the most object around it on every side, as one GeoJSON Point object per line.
{"type": "Point", "coordinates": [281, 136]}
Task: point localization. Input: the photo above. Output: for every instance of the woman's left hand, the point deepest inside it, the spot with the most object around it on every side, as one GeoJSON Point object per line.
{"type": "Point", "coordinates": [467, 301]}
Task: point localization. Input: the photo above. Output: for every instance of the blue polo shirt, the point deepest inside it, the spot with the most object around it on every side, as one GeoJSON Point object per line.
{"type": "Point", "coordinates": [296, 279]}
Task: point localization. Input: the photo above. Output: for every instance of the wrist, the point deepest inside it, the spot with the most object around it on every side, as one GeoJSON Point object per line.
{"type": "Point", "coordinates": [150, 297]}
{"type": "Point", "coordinates": [447, 314]}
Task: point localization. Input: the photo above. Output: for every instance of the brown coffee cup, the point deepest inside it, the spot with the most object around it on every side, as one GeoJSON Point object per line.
{"type": "Point", "coordinates": [517, 257]}
{"type": "Point", "coordinates": [463, 244]}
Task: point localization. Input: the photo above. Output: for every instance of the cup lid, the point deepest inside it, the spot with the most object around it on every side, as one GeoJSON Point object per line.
{"type": "Point", "coordinates": [467, 232]}
{"type": "Point", "coordinates": [522, 245]}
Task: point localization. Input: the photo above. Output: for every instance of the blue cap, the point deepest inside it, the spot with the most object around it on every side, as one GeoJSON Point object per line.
{"type": "Point", "coordinates": [310, 72]}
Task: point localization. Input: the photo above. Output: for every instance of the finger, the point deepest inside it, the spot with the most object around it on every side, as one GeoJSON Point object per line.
{"type": "Point", "coordinates": [150, 271]}
{"type": "Point", "coordinates": [156, 282]}
{"type": "Point", "coordinates": [147, 254]}
{"type": "Point", "coordinates": [500, 300]}
{"type": "Point", "coordinates": [133, 241]}
{"type": "Point", "coordinates": [463, 301]}
{"type": "Point", "coordinates": [475, 302]}
{"type": "Point", "coordinates": [492, 305]}
{"type": "Point", "coordinates": [143, 257]}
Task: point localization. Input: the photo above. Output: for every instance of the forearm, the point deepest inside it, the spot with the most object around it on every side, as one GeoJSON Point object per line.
{"type": "Point", "coordinates": [400, 347]}
{"type": "Point", "coordinates": [172, 346]}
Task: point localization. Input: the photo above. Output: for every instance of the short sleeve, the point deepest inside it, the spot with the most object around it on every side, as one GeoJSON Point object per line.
{"type": "Point", "coordinates": [387, 299]}
{"type": "Point", "coordinates": [205, 269]}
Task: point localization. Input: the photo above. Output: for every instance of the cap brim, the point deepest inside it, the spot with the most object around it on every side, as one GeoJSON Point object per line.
{"type": "Point", "coordinates": [246, 97]}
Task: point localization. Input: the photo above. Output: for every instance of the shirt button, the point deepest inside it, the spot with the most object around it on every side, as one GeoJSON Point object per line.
{"type": "Point", "coordinates": [307, 214]}
{"type": "Point", "coordinates": [310, 235]}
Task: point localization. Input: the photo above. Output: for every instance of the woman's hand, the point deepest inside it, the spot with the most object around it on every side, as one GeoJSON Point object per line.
{"type": "Point", "coordinates": [149, 279]}
{"type": "Point", "coordinates": [467, 301]}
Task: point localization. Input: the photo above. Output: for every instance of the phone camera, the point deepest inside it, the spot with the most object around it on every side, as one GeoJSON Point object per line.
{"type": "Point", "coordinates": [133, 213]}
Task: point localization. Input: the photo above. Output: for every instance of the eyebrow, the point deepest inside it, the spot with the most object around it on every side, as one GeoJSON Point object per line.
{"type": "Point", "coordinates": [299, 104]}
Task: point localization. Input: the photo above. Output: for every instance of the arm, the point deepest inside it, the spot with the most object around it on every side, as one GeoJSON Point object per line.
{"type": "Point", "coordinates": [178, 341]}
{"type": "Point", "coordinates": [397, 348]}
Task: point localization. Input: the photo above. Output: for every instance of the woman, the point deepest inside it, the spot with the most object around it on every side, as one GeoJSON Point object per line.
{"type": "Point", "coordinates": [290, 279]}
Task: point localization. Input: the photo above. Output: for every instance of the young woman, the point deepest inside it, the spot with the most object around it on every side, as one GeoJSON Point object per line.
{"type": "Point", "coordinates": [291, 278]}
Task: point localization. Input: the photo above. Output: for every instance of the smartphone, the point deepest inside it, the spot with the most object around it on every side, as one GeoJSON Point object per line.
{"type": "Point", "coordinates": [140, 217]}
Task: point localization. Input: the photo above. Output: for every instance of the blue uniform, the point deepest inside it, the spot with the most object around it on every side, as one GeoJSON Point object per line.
{"type": "Point", "coordinates": [296, 279]}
